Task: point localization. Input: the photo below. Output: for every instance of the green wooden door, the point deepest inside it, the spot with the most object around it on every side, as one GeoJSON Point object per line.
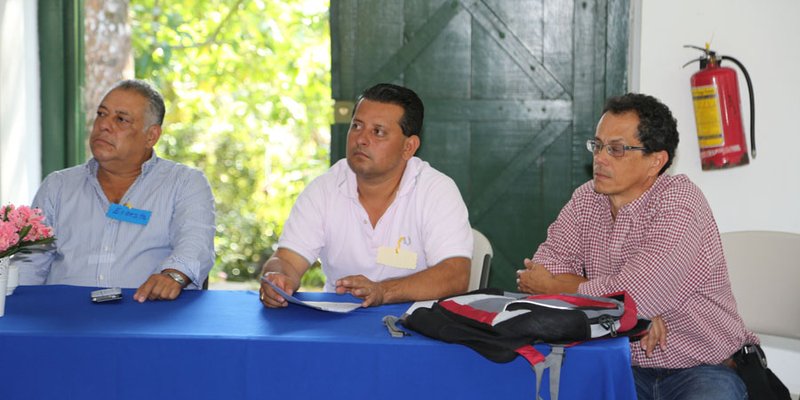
{"type": "Point", "coordinates": [512, 90]}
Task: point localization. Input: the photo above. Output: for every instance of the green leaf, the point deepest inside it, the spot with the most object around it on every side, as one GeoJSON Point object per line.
{"type": "Point", "coordinates": [24, 232]}
{"type": "Point", "coordinates": [247, 87]}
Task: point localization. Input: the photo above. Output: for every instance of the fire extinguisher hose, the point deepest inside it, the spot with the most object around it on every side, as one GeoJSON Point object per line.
{"type": "Point", "coordinates": [752, 103]}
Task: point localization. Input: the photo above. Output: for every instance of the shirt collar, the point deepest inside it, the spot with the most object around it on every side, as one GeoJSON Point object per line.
{"type": "Point", "coordinates": [92, 164]}
{"type": "Point", "coordinates": [639, 205]}
{"type": "Point", "coordinates": [413, 168]}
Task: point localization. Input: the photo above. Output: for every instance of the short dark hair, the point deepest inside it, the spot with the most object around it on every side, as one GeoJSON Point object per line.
{"type": "Point", "coordinates": [413, 110]}
{"type": "Point", "coordinates": [658, 129]}
{"type": "Point", "coordinates": [154, 98]}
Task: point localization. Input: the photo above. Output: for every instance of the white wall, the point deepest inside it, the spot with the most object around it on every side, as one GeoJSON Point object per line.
{"type": "Point", "coordinates": [763, 35]}
{"type": "Point", "coordinates": [20, 129]}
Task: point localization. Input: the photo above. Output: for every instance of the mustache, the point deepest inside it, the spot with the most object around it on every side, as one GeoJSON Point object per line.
{"type": "Point", "coordinates": [359, 149]}
{"type": "Point", "coordinates": [596, 170]}
{"type": "Point", "coordinates": [94, 138]}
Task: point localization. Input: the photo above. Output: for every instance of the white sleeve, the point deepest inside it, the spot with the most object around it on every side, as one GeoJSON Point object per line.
{"type": "Point", "coordinates": [445, 221]}
{"type": "Point", "coordinates": [304, 231]}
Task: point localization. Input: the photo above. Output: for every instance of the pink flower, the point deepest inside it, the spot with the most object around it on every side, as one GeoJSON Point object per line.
{"type": "Point", "coordinates": [22, 227]}
{"type": "Point", "coordinates": [8, 235]}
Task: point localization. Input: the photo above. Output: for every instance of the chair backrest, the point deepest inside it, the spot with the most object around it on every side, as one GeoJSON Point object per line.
{"type": "Point", "coordinates": [481, 261]}
{"type": "Point", "coordinates": [764, 269]}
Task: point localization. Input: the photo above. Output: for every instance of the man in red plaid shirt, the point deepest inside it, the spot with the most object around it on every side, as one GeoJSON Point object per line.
{"type": "Point", "coordinates": [634, 228]}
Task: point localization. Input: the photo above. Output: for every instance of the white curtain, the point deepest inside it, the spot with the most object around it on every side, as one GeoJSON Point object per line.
{"type": "Point", "coordinates": [20, 126]}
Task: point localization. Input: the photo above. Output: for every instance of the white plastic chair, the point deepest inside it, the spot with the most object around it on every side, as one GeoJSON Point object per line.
{"type": "Point", "coordinates": [764, 268]}
{"type": "Point", "coordinates": [481, 261]}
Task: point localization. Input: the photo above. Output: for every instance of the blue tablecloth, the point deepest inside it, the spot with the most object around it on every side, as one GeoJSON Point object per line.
{"type": "Point", "coordinates": [56, 344]}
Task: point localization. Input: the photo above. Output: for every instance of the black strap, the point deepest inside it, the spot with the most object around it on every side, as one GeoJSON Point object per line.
{"type": "Point", "coordinates": [761, 382]}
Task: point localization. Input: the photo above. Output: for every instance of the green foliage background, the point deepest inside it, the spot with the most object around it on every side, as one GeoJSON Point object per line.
{"type": "Point", "coordinates": [247, 87]}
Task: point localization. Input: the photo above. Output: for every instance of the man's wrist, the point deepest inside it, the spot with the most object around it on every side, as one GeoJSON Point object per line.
{"type": "Point", "coordinates": [565, 283]}
{"type": "Point", "coordinates": [391, 291]}
{"type": "Point", "coordinates": [177, 276]}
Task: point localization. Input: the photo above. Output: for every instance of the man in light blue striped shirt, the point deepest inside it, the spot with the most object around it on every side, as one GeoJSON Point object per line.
{"type": "Point", "coordinates": [126, 218]}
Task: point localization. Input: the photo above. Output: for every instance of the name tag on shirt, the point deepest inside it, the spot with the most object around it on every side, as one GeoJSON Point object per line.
{"type": "Point", "coordinates": [132, 215]}
{"type": "Point", "coordinates": [398, 258]}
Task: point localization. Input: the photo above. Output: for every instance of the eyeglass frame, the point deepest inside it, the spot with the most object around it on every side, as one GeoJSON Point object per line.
{"type": "Point", "coordinates": [593, 143]}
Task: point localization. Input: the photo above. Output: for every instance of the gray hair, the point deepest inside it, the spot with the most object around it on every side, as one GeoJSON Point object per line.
{"type": "Point", "coordinates": [155, 100]}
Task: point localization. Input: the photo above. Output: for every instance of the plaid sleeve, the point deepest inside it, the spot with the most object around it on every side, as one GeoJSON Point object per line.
{"type": "Point", "coordinates": [561, 252]}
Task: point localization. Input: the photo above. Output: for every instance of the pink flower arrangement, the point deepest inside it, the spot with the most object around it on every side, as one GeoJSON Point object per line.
{"type": "Point", "coordinates": [22, 227]}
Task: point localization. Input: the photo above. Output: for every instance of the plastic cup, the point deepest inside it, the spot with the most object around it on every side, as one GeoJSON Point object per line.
{"type": "Point", "coordinates": [3, 285]}
{"type": "Point", "coordinates": [13, 279]}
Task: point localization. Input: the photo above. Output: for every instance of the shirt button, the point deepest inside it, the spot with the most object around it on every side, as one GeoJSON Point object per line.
{"type": "Point", "coordinates": [101, 277]}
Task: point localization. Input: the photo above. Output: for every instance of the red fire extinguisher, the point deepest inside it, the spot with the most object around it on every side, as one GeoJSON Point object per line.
{"type": "Point", "coordinates": [717, 112]}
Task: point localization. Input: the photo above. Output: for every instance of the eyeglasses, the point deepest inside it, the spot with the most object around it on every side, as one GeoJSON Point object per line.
{"type": "Point", "coordinates": [614, 149]}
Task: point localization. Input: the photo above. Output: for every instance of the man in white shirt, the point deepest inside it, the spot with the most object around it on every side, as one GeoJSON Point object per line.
{"type": "Point", "coordinates": [386, 226]}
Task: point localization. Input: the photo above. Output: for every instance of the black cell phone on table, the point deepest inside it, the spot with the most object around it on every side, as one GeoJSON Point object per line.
{"type": "Point", "coordinates": [103, 295]}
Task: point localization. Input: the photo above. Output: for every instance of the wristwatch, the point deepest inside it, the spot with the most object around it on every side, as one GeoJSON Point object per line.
{"type": "Point", "coordinates": [177, 277]}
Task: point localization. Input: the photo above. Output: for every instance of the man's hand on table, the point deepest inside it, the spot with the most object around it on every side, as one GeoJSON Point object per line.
{"type": "Point", "coordinates": [359, 286]}
{"type": "Point", "coordinates": [160, 287]}
{"type": "Point", "coordinates": [269, 297]}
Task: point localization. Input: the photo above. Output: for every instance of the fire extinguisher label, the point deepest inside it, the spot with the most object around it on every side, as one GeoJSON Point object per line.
{"type": "Point", "coordinates": [707, 116]}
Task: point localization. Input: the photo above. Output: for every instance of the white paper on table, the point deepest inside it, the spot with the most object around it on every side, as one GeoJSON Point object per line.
{"type": "Point", "coordinates": [330, 306]}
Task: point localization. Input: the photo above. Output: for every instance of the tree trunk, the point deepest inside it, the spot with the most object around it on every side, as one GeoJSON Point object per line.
{"type": "Point", "coordinates": [108, 53]}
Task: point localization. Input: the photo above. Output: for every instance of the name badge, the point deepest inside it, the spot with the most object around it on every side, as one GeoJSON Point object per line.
{"type": "Point", "coordinates": [132, 215]}
{"type": "Point", "coordinates": [397, 257]}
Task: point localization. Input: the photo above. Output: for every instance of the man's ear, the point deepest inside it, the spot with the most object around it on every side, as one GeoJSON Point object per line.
{"type": "Point", "coordinates": [410, 146]}
{"type": "Point", "coordinates": [153, 133]}
{"type": "Point", "coordinates": [657, 161]}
